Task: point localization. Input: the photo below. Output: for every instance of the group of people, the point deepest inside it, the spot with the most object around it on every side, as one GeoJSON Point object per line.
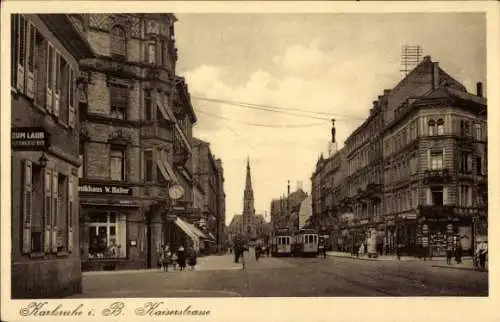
{"type": "Point", "coordinates": [180, 258]}
{"type": "Point", "coordinates": [261, 250]}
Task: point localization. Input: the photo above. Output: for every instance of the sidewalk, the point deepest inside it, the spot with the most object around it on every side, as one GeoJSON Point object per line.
{"type": "Point", "coordinates": [434, 262]}
{"type": "Point", "coordinates": [206, 263]}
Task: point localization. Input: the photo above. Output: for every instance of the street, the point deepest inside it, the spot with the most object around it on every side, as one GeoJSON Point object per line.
{"type": "Point", "coordinates": [286, 277]}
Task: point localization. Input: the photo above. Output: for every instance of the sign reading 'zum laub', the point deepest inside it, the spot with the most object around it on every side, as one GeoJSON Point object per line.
{"type": "Point", "coordinates": [29, 138]}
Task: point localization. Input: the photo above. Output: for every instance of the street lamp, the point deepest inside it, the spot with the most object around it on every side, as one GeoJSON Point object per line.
{"type": "Point", "coordinates": [43, 160]}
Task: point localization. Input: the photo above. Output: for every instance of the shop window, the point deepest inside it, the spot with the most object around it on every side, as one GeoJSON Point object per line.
{"type": "Point", "coordinates": [440, 127]}
{"type": "Point", "coordinates": [436, 160]}
{"type": "Point", "coordinates": [117, 164]}
{"type": "Point", "coordinates": [118, 102]}
{"type": "Point", "coordinates": [432, 127]}
{"type": "Point", "coordinates": [107, 235]}
{"type": "Point", "coordinates": [118, 43]}
{"type": "Point", "coordinates": [437, 195]}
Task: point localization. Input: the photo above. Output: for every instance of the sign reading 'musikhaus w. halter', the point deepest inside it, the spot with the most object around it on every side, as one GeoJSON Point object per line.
{"type": "Point", "coordinates": [104, 189]}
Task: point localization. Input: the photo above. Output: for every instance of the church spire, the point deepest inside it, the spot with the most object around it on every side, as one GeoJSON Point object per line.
{"type": "Point", "coordinates": [248, 201]}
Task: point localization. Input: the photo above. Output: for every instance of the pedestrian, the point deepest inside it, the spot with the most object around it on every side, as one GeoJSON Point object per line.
{"type": "Point", "coordinates": [267, 250]}
{"type": "Point", "coordinates": [192, 258]}
{"type": "Point", "coordinates": [161, 258]}
{"type": "Point", "coordinates": [399, 247]}
{"type": "Point", "coordinates": [361, 250]}
{"type": "Point", "coordinates": [481, 251]}
{"type": "Point", "coordinates": [458, 252]}
{"type": "Point", "coordinates": [181, 258]}
{"type": "Point", "coordinates": [258, 250]}
{"type": "Point", "coordinates": [449, 252]}
{"type": "Point", "coordinates": [173, 259]}
{"type": "Point", "coordinates": [167, 254]}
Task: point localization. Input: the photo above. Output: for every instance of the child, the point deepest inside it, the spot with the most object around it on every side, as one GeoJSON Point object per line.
{"type": "Point", "coordinates": [174, 260]}
{"type": "Point", "coordinates": [192, 258]}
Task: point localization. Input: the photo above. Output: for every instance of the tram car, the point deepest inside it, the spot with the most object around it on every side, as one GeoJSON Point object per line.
{"type": "Point", "coordinates": [281, 245]}
{"type": "Point", "coordinates": [306, 243]}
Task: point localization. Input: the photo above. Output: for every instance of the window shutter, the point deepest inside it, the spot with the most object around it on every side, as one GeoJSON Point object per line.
{"type": "Point", "coordinates": [469, 196]}
{"type": "Point", "coordinates": [428, 196]}
{"type": "Point", "coordinates": [55, 209]}
{"type": "Point", "coordinates": [50, 76]}
{"type": "Point", "coordinates": [47, 196]}
{"type": "Point", "coordinates": [71, 203]}
{"type": "Point", "coordinates": [27, 206]}
{"type": "Point", "coordinates": [429, 162]}
{"type": "Point", "coordinates": [71, 95]}
{"type": "Point", "coordinates": [469, 162]}
{"type": "Point", "coordinates": [445, 195]}
{"type": "Point", "coordinates": [57, 83]}
{"type": "Point", "coordinates": [29, 58]}
{"type": "Point", "coordinates": [21, 52]}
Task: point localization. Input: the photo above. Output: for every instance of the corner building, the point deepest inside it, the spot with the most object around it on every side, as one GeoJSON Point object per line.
{"type": "Point", "coordinates": [134, 140]}
{"type": "Point", "coordinates": [435, 141]}
{"type": "Point", "coordinates": [45, 50]}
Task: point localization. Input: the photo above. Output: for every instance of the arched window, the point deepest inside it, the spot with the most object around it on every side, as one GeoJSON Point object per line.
{"type": "Point", "coordinates": [440, 127]}
{"type": "Point", "coordinates": [118, 42]}
{"type": "Point", "coordinates": [432, 127]}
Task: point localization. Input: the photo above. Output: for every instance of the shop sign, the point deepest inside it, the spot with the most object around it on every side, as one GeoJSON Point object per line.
{"type": "Point", "coordinates": [30, 138]}
{"type": "Point", "coordinates": [104, 189]}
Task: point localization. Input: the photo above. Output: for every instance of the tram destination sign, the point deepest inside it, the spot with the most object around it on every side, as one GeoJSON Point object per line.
{"type": "Point", "coordinates": [104, 189]}
{"type": "Point", "coordinates": [30, 138]}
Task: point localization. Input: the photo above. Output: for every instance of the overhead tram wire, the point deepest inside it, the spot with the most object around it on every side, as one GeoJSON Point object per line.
{"type": "Point", "coordinates": [277, 109]}
{"type": "Point", "coordinates": [261, 124]}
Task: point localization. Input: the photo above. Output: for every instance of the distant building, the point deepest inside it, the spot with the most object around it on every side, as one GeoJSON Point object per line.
{"type": "Point", "coordinates": [285, 211]}
{"type": "Point", "coordinates": [249, 226]}
{"type": "Point", "coordinates": [305, 211]}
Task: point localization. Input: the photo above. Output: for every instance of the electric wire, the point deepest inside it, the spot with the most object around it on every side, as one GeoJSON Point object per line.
{"type": "Point", "coordinates": [261, 124]}
{"type": "Point", "coordinates": [277, 109]}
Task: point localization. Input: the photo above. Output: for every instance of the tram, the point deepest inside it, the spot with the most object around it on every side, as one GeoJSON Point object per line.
{"type": "Point", "coordinates": [306, 243]}
{"type": "Point", "coordinates": [281, 244]}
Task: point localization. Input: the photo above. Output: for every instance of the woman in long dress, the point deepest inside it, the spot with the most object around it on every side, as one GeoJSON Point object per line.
{"type": "Point", "coordinates": [181, 258]}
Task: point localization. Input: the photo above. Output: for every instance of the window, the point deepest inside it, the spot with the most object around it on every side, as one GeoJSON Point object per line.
{"type": "Point", "coordinates": [437, 195]}
{"type": "Point", "coordinates": [464, 128]}
{"type": "Point", "coordinates": [479, 132]}
{"type": "Point", "coordinates": [61, 220]}
{"type": "Point", "coordinates": [436, 160]}
{"type": "Point", "coordinates": [117, 164]}
{"type": "Point", "coordinates": [440, 127]}
{"type": "Point", "coordinates": [479, 166]}
{"type": "Point", "coordinates": [107, 235]}
{"type": "Point", "coordinates": [465, 162]}
{"type": "Point", "coordinates": [30, 64]}
{"type": "Point", "coordinates": [81, 158]}
{"type": "Point", "coordinates": [50, 77]}
{"type": "Point", "coordinates": [148, 106]}
{"type": "Point", "coordinates": [152, 52]}
{"type": "Point", "coordinates": [32, 196]}
{"type": "Point", "coordinates": [164, 61]}
{"type": "Point", "coordinates": [118, 43]}
{"type": "Point", "coordinates": [118, 101]}
{"type": "Point", "coordinates": [64, 84]}
{"type": "Point", "coordinates": [432, 127]}
{"type": "Point", "coordinates": [148, 165]}
{"type": "Point", "coordinates": [465, 196]}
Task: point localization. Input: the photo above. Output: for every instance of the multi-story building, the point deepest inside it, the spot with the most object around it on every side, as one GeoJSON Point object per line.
{"type": "Point", "coordinates": [435, 140]}
{"type": "Point", "coordinates": [135, 132]}
{"type": "Point", "coordinates": [45, 50]}
{"type": "Point", "coordinates": [221, 206]}
{"type": "Point", "coordinates": [416, 168]}
{"type": "Point", "coordinates": [206, 172]}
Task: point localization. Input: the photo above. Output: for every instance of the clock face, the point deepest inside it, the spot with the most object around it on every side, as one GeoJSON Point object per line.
{"type": "Point", "coordinates": [176, 192]}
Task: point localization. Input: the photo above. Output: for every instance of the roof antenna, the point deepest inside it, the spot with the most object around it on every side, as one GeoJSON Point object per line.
{"type": "Point", "coordinates": [410, 57]}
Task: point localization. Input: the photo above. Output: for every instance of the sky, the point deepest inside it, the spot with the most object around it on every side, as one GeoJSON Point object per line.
{"type": "Point", "coordinates": [332, 63]}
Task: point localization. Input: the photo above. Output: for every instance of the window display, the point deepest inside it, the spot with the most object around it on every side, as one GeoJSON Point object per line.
{"type": "Point", "coordinates": [107, 235]}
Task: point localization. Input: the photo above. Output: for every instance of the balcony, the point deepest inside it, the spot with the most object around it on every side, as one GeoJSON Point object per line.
{"type": "Point", "coordinates": [439, 176]}
{"type": "Point", "coordinates": [154, 130]}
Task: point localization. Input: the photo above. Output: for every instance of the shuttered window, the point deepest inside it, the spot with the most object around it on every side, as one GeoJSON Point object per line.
{"type": "Point", "coordinates": [47, 214]}
{"type": "Point", "coordinates": [27, 206]}
{"type": "Point", "coordinates": [30, 60]}
{"type": "Point", "coordinates": [57, 79]}
{"type": "Point", "coordinates": [71, 97]}
{"type": "Point", "coordinates": [55, 211]}
{"type": "Point", "coordinates": [20, 51]}
{"type": "Point", "coordinates": [50, 77]}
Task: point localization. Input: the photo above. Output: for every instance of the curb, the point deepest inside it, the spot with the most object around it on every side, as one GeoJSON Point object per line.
{"type": "Point", "coordinates": [373, 259]}
{"type": "Point", "coordinates": [461, 268]}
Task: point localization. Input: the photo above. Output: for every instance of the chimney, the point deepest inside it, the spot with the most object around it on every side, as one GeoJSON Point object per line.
{"type": "Point", "coordinates": [435, 75]}
{"type": "Point", "coordinates": [479, 89]}
{"type": "Point", "coordinates": [427, 59]}
{"type": "Point", "coordinates": [288, 189]}
{"type": "Point", "coordinates": [387, 92]}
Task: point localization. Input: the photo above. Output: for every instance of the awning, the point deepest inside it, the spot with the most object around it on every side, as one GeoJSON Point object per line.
{"type": "Point", "coordinates": [211, 236]}
{"type": "Point", "coordinates": [184, 226]}
{"type": "Point", "coordinates": [163, 111]}
{"type": "Point", "coordinates": [169, 172]}
{"type": "Point", "coordinates": [198, 232]}
{"type": "Point", "coordinates": [163, 170]}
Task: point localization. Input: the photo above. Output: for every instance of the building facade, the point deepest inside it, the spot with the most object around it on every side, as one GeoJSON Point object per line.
{"type": "Point", "coordinates": [415, 172]}
{"type": "Point", "coordinates": [221, 207]}
{"type": "Point", "coordinates": [135, 142]}
{"type": "Point", "coordinates": [45, 51]}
